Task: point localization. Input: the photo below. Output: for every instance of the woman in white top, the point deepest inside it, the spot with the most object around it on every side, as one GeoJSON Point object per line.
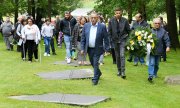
{"type": "Point", "coordinates": [31, 34]}
{"type": "Point", "coordinates": [47, 33]}
{"type": "Point", "coordinates": [22, 45]}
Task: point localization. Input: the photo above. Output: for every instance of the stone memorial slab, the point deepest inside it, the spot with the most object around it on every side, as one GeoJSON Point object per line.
{"type": "Point", "coordinates": [173, 79]}
{"type": "Point", "coordinates": [71, 99]}
{"type": "Point", "coordinates": [67, 74]}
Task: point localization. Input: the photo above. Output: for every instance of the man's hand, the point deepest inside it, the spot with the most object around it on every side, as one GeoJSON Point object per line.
{"type": "Point", "coordinates": [167, 49]}
{"type": "Point", "coordinates": [82, 52]}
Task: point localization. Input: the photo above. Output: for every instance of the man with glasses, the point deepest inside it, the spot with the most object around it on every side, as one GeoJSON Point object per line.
{"type": "Point", "coordinates": [162, 36]}
{"type": "Point", "coordinates": [93, 36]}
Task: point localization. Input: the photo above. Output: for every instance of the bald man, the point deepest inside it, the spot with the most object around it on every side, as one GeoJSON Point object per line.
{"type": "Point", "coordinates": [140, 22]}
{"type": "Point", "coordinates": [162, 36]}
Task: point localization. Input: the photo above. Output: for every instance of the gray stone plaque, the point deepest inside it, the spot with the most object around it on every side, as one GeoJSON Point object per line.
{"type": "Point", "coordinates": [67, 74]}
{"type": "Point", "coordinates": [71, 99]}
{"type": "Point", "coordinates": [173, 79]}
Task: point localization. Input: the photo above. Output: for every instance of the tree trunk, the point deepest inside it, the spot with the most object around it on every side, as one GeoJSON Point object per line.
{"type": "Point", "coordinates": [129, 11]}
{"type": "Point", "coordinates": [49, 9]}
{"type": "Point", "coordinates": [142, 9]}
{"type": "Point", "coordinates": [172, 23]}
{"type": "Point", "coordinates": [16, 11]}
{"type": "Point", "coordinates": [29, 7]}
{"type": "Point", "coordinates": [33, 8]}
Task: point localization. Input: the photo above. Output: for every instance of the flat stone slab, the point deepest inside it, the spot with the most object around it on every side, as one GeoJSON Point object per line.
{"type": "Point", "coordinates": [72, 99]}
{"type": "Point", "coordinates": [67, 74]}
{"type": "Point", "coordinates": [73, 63]}
{"type": "Point", "coordinates": [173, 79]}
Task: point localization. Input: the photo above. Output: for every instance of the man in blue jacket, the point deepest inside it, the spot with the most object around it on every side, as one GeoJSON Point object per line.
{"type": "Point", "coordinates": [162, 36]}
{"type": "Point", "coordinates": [93, 36]}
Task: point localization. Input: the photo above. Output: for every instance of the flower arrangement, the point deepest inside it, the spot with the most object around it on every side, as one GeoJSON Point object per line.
{"type": "Point", "coordinates": [138, 40]}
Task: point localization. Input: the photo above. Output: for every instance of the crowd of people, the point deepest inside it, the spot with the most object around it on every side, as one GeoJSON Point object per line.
{"type": "Point", "coordinates": [85, 35]}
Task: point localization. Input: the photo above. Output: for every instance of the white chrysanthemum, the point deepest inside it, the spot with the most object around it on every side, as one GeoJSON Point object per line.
{"type": "Point", "coordinates": [139, 32]}
{"type": "Point", "coordinates": [143, 31]}
{"type": "Point", "coordinates": [128, 48]}
{"type": "Point", "coordinates": [132, 48]}
{"type": "Point", "coordinates": [149, 37]}
{"type": "Point", "coordinates": [151, 40]}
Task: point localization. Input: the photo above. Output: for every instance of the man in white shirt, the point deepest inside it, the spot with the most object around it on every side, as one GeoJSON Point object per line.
{"type": "Point", "coordinates": [93, 36]}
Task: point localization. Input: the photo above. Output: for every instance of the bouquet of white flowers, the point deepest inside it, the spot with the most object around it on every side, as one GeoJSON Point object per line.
{"type": "Point", "coordinates": [138, 40]}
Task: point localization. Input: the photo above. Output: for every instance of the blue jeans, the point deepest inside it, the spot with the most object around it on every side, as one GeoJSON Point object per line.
{"type": "Point", "coordinates": [47, 41]}
{"type": "Point", "coordinates": [153, 65]}
{"type": "Point", "coordinates": [140, 59]}
{"type": "Point", "coordinates": [67, 40]}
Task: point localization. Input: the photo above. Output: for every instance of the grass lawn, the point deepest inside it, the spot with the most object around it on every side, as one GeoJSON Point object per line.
{"type": "Point", "coordinates": [17, 78]}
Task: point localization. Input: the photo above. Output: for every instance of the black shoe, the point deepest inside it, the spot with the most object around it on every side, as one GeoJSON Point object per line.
{"type": "Point", "coordinates": [123, 76]}
{"type": "Point", "coordinates": [54, 53]}
{"type": "Point", "coordinates": [150, 79]}
{"type": "Point", "coordinates": [94, 82]}
{"type": "Point", "coordinates": [129, 60]}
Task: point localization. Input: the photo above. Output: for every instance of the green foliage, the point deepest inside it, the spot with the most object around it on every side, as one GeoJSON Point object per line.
{"type": "Point", "coordinates": [152, 8]}
{"type": "Point", "coordinates": [58, 6]}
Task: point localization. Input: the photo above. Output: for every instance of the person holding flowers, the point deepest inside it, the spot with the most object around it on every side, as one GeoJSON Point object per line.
{"type": "Point", "coordinates": [140, 22]}
{"type": "Point", "coordinates": [162, 36]}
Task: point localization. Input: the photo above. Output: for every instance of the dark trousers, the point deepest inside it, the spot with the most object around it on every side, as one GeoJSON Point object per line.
{"type": "Point", "coordinates": [113, 55]}
{"type": "Point", "coordinates": [32, 49]}
{"type": "Point", "coordinates": [52, 45]}
{"type": "Point", "coordinates": [94, 58]}
{"type": "Point", "coordinates": [120, 56]}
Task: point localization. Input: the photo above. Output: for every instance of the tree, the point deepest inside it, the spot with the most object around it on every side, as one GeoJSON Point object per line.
{"type": "Point", "coordinates": [172, 23]}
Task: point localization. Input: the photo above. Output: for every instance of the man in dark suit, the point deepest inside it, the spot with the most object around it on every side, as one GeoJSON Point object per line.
{"type": "Point", "coordinates": [119, 29]}
{"type": "Point", "coordinates": [94, 34]}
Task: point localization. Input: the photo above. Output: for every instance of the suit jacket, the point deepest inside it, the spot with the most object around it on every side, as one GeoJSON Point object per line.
{"type": "Point", "coordinates": [123, 26]}
{"type": "Point", "coordinates": [101, 38]}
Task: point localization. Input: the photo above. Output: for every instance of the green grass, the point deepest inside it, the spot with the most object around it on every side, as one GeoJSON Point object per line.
{"type": "Point", "coordinates": [17, 78]}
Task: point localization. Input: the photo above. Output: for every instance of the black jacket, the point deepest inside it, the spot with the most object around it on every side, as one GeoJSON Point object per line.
{"type": "Point", "coordinates": [67, 25]}
{"type": "Point", "coordinates": [121, 34]}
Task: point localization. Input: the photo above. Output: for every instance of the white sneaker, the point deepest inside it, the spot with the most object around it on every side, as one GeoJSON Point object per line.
{"type": "Point", "coordinates": [68, 60]}
{"type": "Point", "coordinates": [48, 54]}
{"type": "Point", "coordinates": [45, 54]}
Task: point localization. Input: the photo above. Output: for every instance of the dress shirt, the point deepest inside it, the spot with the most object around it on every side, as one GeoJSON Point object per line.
{"type": "Point", "coordinates": [92, 35]}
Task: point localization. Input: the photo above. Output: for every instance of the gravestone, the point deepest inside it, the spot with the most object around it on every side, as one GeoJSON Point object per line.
{"type": "Point", "coordinates": [67, 74]}
{"type": "Point", "coordinates": [72, 99]}
{"type": "Point", "coordinates": [173, 79]}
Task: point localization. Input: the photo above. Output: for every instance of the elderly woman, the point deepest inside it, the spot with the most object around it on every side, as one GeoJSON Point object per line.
{"type": "Point", "coordinates": [31, 34]}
